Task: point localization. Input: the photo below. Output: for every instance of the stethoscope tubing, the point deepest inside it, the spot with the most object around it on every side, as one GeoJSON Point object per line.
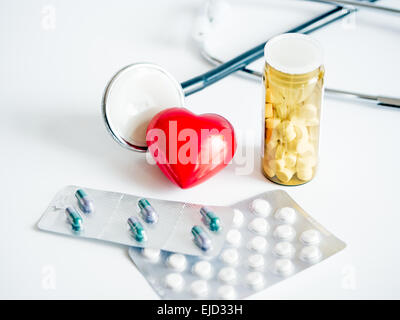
{"type": "Point", "coordinates": [256, 75]}
{"type": "Point", "coordinates": [240, 62]}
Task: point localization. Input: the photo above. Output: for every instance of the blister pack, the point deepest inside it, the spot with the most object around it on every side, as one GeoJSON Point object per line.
{"type": "Point", "coordinates": [134, 221]}
{"type": "Point", "coordinates": [272, 238]}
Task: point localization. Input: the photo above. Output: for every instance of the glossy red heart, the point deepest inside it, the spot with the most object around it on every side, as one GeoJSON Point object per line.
{"type": "Point", "coordinates": [190, 148]}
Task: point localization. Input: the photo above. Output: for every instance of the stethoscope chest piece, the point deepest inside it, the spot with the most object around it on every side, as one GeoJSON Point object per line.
{"type": "Point", "coordinates": [134, 95]}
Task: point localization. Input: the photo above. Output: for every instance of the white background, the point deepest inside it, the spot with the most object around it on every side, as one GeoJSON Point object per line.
{"type": "Point", "coordinates": [55, 60]}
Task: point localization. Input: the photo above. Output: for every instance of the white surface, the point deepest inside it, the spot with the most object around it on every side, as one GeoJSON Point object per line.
{"type": "Point", "coordinates": [53, 73]}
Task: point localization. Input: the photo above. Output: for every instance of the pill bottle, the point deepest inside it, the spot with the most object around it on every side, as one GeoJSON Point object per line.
{"type": "Point", "coordinates": [293, 83]}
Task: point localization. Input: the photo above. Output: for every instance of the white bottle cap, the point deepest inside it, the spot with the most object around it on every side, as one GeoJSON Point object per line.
{"type": "Point", "coordinates": [293, 53]}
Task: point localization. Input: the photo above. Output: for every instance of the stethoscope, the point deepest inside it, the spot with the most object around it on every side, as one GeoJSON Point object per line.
{"type": "Point", "coordinates": [256, 75]}
{"type": "Point", "coordinates": [164, 91]}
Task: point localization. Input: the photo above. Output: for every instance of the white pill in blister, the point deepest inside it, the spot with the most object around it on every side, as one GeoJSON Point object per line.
{"type": "Point", "coordinates": [284, 232]}
{"type": "Point", "coordinates": [286, 215]}
{"type": "Point", "coordinates": [230, 256]}
{"type": "Point", "coordinates": [199, 288]}
{"type": "Point", "coordinates": [233, 237]}
{"type": "Point", "coordinates": [284, 249]}
{"type": "Point", "coordinates": [310, 237]}
{"type": "Point", "coordinates": [310, 254]}
{"type": "Point", "coordinates": [174, 281]}
{"type": "Point", "coordinates": [255, 261]}
{"type": "Point", "coordinates": [258, 244]}
{"type": "Point", "coordinates": [202, 269]}
{"type": "Point", "coordinates": [177, 261]}
{"type": "Point", "coordinates": [226, 292]}
{"type": "Point", "coordinates": [283, 267]}
{"type": "Point", "coordinates": [151, 254]}
{"type": "Point", "coordinates": [259, 225]}
{"type": "Point", "coordinates": [261, 207]}
{"type": "Point", "coordinates": [255, 280]}
{"type": "Point", "coordinates": [238, 218]}
{"type": "Point", "coordinates": [227, 275]}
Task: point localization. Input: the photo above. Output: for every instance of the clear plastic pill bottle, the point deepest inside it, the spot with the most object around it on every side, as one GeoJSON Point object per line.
{"type": "Point", "coordinates": [293, 83]}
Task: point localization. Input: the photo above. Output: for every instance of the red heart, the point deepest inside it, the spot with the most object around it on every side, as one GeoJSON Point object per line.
{"type": "Point", "coordinates": [190, 148]}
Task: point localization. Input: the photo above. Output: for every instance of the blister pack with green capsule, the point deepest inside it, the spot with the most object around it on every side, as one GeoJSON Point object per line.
{"type": "Point", "coordinates": [137, 221]}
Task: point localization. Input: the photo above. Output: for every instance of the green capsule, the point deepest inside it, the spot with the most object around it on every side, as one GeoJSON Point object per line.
{"type": "Point", "coordinates": [212, 221]}
{"type": "Point", "coordinates": [148, 213]}
{"type": "Point", "coordinates": [201, 238]}
{"type": "Point", "coordinates": [84, 201]}
{"type": "Point", "coordinates": [74, 218]}
{"type": "Point", "coordinates": [137, 229]}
